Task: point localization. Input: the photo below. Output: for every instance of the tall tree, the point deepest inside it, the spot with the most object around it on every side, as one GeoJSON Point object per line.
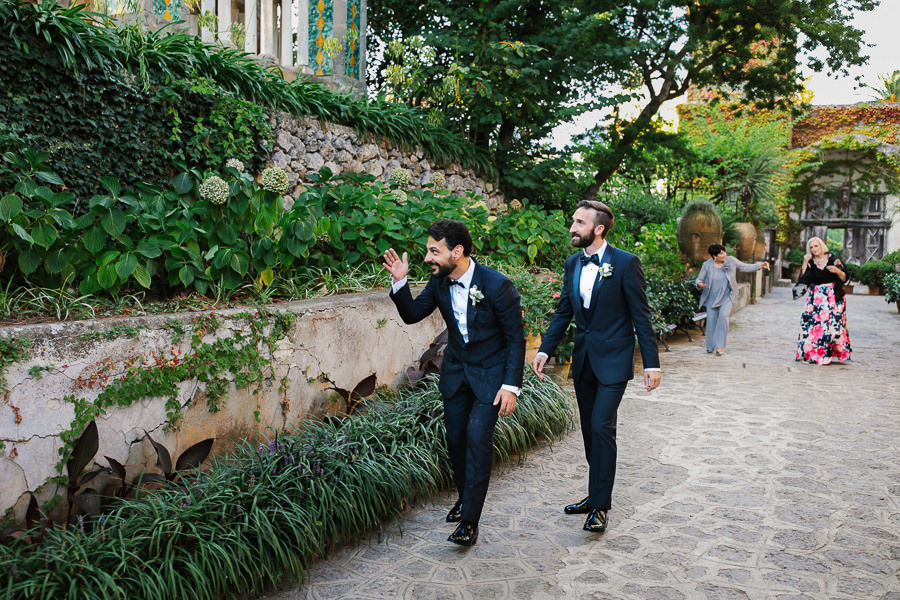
{"type": "Point", "coordinates": [754, 47]}
{"type": "Point", "coordinates": [502, 72]}
{"type": "Point", "coordinates": [532, 63]}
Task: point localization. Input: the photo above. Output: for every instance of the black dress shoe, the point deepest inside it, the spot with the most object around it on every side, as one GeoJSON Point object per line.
{"type": "Point", "coordinates": [579, 508]}
{"type": "Point", "coordinates": [455, 514]}
{"type": "Point", "coordinates": [465, 535]}
{"type": "Point", "coordinates": [596, 521]}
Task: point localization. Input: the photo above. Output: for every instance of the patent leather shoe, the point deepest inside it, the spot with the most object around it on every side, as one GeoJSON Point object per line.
{"type": "Point", "coordinates": [579, 508]}
{"type": "Point", "coordinates": [465, 535]}
{"type": "Point", "coordinates": [455, 514]}
{"type": "Point", "coordinates": [596, 521]}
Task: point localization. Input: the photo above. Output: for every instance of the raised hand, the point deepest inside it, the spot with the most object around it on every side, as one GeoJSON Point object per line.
{"type": "Point", "coordinates": [396, 266]}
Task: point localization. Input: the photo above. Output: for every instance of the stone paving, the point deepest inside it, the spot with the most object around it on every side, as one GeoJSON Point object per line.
{"type": "Point", "coordinates": [742, 476]}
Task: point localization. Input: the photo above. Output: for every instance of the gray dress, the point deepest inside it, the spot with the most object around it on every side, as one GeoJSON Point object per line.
{"type": "Point", "coordinates": [719, 296]}
{"type": "Point", "coordinates": [719, 289]}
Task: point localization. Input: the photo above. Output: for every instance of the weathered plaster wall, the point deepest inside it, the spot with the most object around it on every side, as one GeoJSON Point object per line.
{"type": "Point", "coordinates": [345, 337]}
{"type": "Point", "coordinates": [304, 145]}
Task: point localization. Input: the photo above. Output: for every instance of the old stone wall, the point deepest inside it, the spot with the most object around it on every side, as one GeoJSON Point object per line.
{"type": "Point", "coordinates": [303, 145]}
{"type": "Point", "coordinates": [341, 339]}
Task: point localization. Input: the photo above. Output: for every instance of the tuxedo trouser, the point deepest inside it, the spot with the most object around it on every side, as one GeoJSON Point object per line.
{"type": "Point", "coordinates": [470, 443]}
{"type": "Point", "coordinates": [717, 325]}
{"type": "Point", "coordinates": [597, 407]}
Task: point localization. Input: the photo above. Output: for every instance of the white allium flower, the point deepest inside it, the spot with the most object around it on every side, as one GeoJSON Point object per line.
{"type": "Point", "coordinates": [438, 180]}
{"type": "Point", "coordinates": [399, 196]}
{"type": "Point", "coordinates": [275, 180]}
{"type": "Point", "coordinates": [515, 205]}
{"type": "Point", "coordinates": [235, 164]}
{"type": "Point", "coordinates": [399, 177]}
{"type": "Point", "coordinates": [214, 190]}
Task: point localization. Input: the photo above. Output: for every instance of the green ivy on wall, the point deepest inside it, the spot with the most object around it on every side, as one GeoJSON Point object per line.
{"type": "Point", "coordinates": [12, 350]}
{"type": "Point", "coordinates": [233, 360]}
{"type": "Point", "coordinates": [98, 123]}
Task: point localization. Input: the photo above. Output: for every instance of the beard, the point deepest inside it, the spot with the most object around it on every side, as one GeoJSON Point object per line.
{"type": "Point", "coordinates": [442, 270]}
{"type": "Point", "coordinates": [580, 241]}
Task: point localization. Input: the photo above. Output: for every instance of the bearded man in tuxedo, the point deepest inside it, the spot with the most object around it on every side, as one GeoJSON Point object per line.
{"type": "Point", "coordinates": [603, 290]}
{"type": "Point", "coordinates": [481, 374]}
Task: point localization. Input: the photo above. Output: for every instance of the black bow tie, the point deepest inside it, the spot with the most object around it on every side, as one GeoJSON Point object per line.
{"type": "Point", "coordinates": [457, 282]}
{"type": "Point", "coordinates": [593, 258]}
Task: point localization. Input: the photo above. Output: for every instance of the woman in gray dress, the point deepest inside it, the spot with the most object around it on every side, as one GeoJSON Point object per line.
{"type": "Point", "coordinates": [719, 293]}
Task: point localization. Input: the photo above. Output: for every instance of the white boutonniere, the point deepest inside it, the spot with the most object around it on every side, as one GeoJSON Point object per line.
{"type": "Point", "coordinates": [606, 270]}
{"type": "Point", "coordinates": [475, 295]}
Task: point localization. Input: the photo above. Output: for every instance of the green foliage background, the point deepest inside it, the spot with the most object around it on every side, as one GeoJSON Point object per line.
{"type": "Point", "coordinates": [108, 100]}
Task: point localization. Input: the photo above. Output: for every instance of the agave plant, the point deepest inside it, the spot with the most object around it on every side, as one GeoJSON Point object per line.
{"type": "Point", "coordinates": [889, 91]}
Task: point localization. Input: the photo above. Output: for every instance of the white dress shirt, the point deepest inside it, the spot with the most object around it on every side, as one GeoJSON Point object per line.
{"type": "Point", "coordinates": [459, 301]}
{"type": "Point", "coordinates": [589, 276]}
{"type": "Point", "coordinates": [586, 285]}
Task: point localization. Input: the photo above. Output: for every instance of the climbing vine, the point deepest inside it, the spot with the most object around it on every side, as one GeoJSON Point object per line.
{"type": "Point", "coordinates": [239, 356]}
{"type": "Point", "coordinates": [880, 121]}
{"type": "Point", "coordinates": [12, 350]}
{"type": "Point", "coordinates": [860, 164]}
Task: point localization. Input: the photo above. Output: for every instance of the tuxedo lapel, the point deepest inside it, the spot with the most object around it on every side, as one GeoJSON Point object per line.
{"type": "Point", "coordinates": [576, 284]}
{"type": "Point", "coordinates": [446, 305]}
{"type": "Point", "coordinates": [606, 258]}
{"type": "Point", "coordinates": [472, 308]}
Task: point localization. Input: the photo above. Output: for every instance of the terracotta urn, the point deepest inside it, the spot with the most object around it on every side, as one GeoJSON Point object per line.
{"type": "Point", "coordinates": [751, 243]}
{"type": "Point", "coordinates": [697, 231]}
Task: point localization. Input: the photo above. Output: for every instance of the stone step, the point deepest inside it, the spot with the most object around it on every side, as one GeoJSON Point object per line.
{"type": "Point", "coordinates": [784, 283]}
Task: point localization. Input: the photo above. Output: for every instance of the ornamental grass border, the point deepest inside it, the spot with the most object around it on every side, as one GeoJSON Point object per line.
{"type": "Point", "coordinates": [260, 515]}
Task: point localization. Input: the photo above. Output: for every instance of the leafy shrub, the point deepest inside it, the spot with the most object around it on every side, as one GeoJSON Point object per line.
{"type": "Point", "coordinates": [891, 284]}
{"type": "Point", "coordinates": [539, 294]}
{"type": "Point", "coordinates": [671, 302]}
{"type": "Point", "coordinates": [871, 273]}
{"type": "Point", "coordinates": [262, 514]}
{"type": "Point", "coordinates": [530, 235]}
{"type": "Point", "coordinates": [657, 247]}
{"type": "Point", "coordinates": [795, 256]}
{"type": "Point", "coordinates": [195, 237]}
{"type": "Point", "coordinates": [635, 208]}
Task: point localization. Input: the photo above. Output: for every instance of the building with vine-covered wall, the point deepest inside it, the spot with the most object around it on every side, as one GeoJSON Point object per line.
{"type": "Point", "coordinates": [853, 183]}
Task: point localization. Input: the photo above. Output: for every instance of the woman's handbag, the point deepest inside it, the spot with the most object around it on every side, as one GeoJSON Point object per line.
{"type": "Point", "coordinates": [799, 290]}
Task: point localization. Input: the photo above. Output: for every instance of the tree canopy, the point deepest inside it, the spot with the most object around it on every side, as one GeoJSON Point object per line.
{"type": "Point", "coordinates": [506, 72]}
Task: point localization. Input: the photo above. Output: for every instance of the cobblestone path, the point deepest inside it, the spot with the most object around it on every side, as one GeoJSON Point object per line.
{"type": "Point", "coordinates": [742, 476]}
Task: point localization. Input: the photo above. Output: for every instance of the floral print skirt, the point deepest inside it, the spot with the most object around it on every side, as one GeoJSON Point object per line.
{"type": "Point", "coordinates": [823, 327]}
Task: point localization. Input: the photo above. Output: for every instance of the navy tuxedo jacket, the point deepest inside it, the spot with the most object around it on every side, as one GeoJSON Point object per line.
{"type": "Point", "coordinates": [495, 354]}
{"type": "Point", "coordinates": [604, 339]}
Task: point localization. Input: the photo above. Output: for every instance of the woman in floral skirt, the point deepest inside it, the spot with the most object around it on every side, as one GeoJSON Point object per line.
{"type": "Point", "coordinates": [823, 324]}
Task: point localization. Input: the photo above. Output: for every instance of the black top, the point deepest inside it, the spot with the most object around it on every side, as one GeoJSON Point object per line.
{"type": "Point", "coordinates": [816, 276]}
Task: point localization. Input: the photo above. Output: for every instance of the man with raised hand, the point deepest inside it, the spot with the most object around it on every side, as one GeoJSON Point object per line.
{"type": "Point", "coordinates": [481, 374]}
